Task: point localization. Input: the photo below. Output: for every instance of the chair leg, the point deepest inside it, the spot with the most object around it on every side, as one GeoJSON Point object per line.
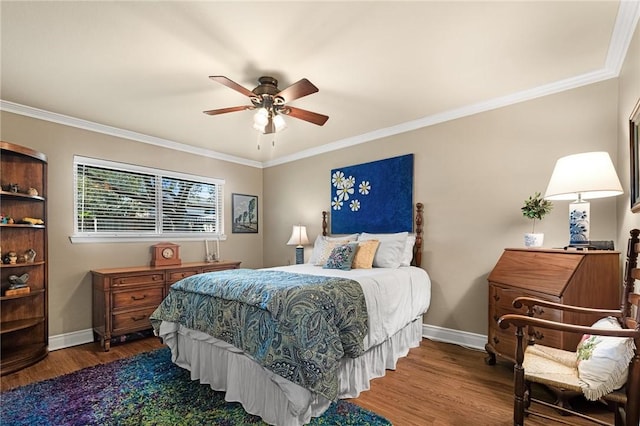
{"type": "Point", "coordinates": [520, 398]}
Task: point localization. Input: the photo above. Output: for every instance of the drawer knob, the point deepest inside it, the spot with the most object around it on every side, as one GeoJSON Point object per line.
{"type": "Point", "coordinates": [496, 297]}
{"type": "Point", "coordinates": [496, 340]}
{"type": "Point", "coordinates": [140, 318]}
{"type": "Point", "coordinates": [139, 297]}
{"type": "Point", "coordinates": [496, 318]}
{"type": "Point", "coordinates": [538, 335]}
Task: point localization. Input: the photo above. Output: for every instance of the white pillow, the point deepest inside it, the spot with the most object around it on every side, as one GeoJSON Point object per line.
{"type": "Point", "coordinates": [603, 361]}
{"type": "Point", "coordinates": [407, 256]}
{"type": "Point", "coordinates": [391, 250]}
{"type": "Point", "coordinates": [321, 249]}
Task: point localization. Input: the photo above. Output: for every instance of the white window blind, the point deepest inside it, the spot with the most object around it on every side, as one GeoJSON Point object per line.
{"type": "Point", "coordinates": [127, 201]}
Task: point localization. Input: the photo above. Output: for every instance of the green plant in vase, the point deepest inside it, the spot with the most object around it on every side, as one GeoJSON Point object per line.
{"type": "Point", "coordinates": [535, 208]}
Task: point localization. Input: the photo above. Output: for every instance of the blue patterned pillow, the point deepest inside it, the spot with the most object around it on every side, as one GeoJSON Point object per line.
{"type": "Point", "coordinates": [341, 257]}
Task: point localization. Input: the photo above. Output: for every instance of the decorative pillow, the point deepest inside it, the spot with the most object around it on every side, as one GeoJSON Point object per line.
{"type": "Point", "coordinates": [365, 253]}
{"type": "Point", "coordinates": [321, 250]}
{"type": "Point", "coordinates": [341, 257]}
{"type": "Point", "coordinates": [391, 250]}
{"type": "Point", "coordinates": [603, 361]}
{"type": "Point", "coordinates": [407, 255]}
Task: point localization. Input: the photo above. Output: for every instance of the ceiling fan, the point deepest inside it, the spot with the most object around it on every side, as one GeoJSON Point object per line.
{"type": "Point", "coordinates": [271, 103]}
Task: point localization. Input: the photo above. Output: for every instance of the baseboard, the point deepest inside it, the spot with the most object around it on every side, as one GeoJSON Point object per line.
{"type": "Point", "coordinates": [448, 335]}
{"type": "Point", "coordinates": [439, 334]}
{"type": "Point", "coordinates": [67, 340]}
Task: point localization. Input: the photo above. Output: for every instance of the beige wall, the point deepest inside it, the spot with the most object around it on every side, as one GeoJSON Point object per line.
{"type": "Point", "coordinates": [69, 264]}
{"type": "Point", "coordinates": [629, 95]}
{"type": "Point", "coordinates": [473, 175]}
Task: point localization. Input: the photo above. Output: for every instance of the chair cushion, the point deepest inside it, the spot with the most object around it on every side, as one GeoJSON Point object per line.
{"type": "Point", "coordinates": [551, 366]}
{"type": "Point", "coordinates": [603, 361]}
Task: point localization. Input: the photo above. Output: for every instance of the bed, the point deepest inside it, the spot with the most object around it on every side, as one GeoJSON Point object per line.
{"type": "Point", "coordinates": [287, 341]}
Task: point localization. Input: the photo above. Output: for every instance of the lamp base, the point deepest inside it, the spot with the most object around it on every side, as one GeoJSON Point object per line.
{"type": "Point", "coordinates": [299, 255]}
{"type": "Point", "coordinates": [579, 216]}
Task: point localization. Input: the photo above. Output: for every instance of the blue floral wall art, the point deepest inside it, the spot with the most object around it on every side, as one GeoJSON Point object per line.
{"type": "Point", "coordinates": [375, 197]}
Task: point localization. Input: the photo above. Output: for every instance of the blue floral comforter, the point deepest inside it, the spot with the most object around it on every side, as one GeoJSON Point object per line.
{"type": "Point", "coordinates": [296, 325]}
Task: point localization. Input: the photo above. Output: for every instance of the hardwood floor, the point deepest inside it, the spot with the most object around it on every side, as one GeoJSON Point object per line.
{"type": "Point", "coordinates": [437, 384]}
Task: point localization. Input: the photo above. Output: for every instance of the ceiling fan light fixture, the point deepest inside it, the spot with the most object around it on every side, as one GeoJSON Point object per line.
{"type": "Point", "coordinates": [261, 117]}
{"type": "Point", "coordinates": [279, 122]}
{"type": "Point", "coordinates": [270, 103]}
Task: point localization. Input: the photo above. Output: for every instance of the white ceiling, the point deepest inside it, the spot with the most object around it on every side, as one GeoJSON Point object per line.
{"type": "Point", "coordinates": [140, 69]}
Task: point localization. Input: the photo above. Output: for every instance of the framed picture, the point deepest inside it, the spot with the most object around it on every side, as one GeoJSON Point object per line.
{"type": "Point", "coordinates": [634, 137]}
{"type": "Point", "coordinates": [245, 214]}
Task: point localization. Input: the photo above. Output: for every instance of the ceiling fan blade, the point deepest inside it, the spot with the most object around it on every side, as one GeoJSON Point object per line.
{"type": "Point", "coordinates": [229, 109]}
{"type": "Point", "coordinates": [232, 85]}
{"type": "Point", "coordinates": [302, 114]}
{"type": "Point", "coordinates": [297, 90]}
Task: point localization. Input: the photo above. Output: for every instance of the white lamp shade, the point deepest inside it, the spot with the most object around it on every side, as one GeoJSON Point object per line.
{"type": "Point", "coordinates": [588, 175]}
{"type": "Point", "coordinates": [279, 123]}
{"type": "Point", "coordinates": [298, 236]}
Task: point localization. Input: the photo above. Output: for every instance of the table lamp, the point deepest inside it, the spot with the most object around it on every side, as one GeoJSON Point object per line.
{"type": "Point", "coordinates": [581, 177]}
{"type": "Point", "coordinates": [299, 239]}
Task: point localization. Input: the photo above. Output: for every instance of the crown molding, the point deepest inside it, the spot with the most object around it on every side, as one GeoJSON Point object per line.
{"type": "Point", "coordinates": [120, 133]}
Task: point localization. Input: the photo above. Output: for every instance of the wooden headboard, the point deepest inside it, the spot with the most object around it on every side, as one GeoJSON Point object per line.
{"type": "Point", "coordinates": [417, 248]}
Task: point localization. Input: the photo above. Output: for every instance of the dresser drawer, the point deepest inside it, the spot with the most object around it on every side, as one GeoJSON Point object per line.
{"type": "Point", "coordinates": [135, 280]}
{"type": "Point", "coordinates": [543, 336]}
{"type": "Point", "coordinates": [213, 267]}
{"type": "Point", "coordinates": [127, 322]}
{"type": "Point", "coordinates": [501, 298]}
{"type": "Point", "coordinates": [149, 296]}
{"type": "Point", "coordinates": [178, 275]}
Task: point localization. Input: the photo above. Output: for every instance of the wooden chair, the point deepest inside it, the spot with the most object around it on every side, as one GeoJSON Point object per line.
{"type": "Point", "coordinates": [625, 401]}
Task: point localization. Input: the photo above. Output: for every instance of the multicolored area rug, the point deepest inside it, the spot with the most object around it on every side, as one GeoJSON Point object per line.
{"type": "Point", "coordinates": [147, 389]}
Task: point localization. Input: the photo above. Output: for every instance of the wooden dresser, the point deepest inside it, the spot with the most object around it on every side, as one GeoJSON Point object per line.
{"type": "Point", "coordinates": [584, 278]}
{"type": "Point", "coordinates": [124, 298]}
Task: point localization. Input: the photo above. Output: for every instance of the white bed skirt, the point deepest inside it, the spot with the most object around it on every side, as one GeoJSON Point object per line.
{"type": "Point", "coordinates": [276, 400]}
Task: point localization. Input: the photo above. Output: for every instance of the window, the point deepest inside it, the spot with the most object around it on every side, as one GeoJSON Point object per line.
{"type": "Point", "coordinates": [116, 201]}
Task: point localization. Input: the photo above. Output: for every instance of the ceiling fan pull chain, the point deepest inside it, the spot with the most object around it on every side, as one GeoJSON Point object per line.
{"type": "Point", "coordinates": [259, 141]}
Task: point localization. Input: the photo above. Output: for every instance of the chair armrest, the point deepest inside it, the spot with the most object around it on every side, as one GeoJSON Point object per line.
{"type": "Point", "coordinates": [521, 321]}
{"type": "Point", "coordinates": [530, 302]}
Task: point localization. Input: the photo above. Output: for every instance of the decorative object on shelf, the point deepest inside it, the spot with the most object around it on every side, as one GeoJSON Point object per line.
{"type": "Point", "coordinates": [17, 291]}
{"type": "Point", "coordinates": [634, 150]}
{"type": "Point", "coordinates": [18, 281]}
{"type": "Point", "coordinates": [163, 254]}
{"type": "Point", "coordinates": [581, 177]}
{"type": "Point", "coordinates": [33, 192]}
{"type": "Point", "coordinates": [32, 221]}
{"type": "Point", "coordinates": [14, 187]}
{"type": "Point", "coordinates": [245, 214]}
{"type": "Point", "coordinates": [10, 258]}
{"type": "Point", "coordinates": [535, 208]}
{"type": "Point", "coordinates": [30, 255]}
{"type": "Point", "coordinates": [299, 239]}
